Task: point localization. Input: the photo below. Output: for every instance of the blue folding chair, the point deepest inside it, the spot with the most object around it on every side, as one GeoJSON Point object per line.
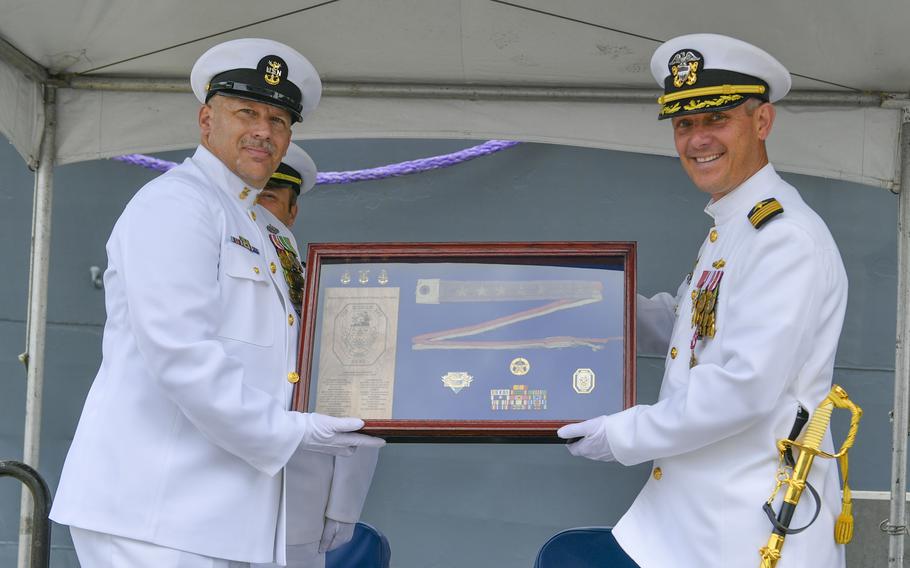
{"type": "Point", "coordinates": [368, 548]}
{"type": "Point", "coordinates": [583, 547]}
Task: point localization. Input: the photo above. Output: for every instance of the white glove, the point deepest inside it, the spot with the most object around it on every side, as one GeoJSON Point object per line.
{"type": "Point", "coordinates": [331, 435]}
{"type": "Point", "coordinates": [593, 444]}
{"type": "Point", "coordinates": [335, 534]}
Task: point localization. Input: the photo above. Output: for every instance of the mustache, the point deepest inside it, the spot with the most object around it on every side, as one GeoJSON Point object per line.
{"type": "Point", "coordinates": [258, 143]}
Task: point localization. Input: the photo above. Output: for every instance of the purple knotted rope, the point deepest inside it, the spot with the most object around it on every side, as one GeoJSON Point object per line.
{"type": "Point", "coordinates": [382, 172]}
{"type": "Point", "coordinates": [146, 162]}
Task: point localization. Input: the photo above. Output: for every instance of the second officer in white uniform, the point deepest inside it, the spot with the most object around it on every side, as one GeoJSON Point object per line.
{"type": "Point", "coordinates": [756, 329]}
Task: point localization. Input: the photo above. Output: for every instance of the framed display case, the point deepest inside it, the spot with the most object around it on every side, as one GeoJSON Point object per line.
{"type": "Point", "coordinates": [468, 341]}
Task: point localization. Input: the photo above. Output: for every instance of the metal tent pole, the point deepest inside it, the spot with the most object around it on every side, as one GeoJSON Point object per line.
{"type": "Point", "coordinates": [37, 315]}
{"type": "Point", "coordinates": [897, 524]}
{"type": "Point", "coordinates": [479, 92]}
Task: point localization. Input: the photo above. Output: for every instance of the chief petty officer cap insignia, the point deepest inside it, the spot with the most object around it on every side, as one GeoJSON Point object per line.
{"type": "Point", "coordinates": [261, 70]}
{"type": "Point", "coordinates": [296, 170]}
{"type": "Point", "coordinates": [764, 211]}
{"type": "Point", "coordinates": [708, 72]}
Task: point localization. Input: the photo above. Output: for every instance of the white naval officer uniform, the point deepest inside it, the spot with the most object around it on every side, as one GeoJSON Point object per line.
{"type": "Point", "coordinates": [318, 485]}
{"type": "Point", "coordinates": [713, 431]}
{"type": "Point", "coordinates": [188, 414]}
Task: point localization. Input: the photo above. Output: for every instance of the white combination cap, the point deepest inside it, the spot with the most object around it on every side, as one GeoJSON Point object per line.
{"type": "Point", "coordinates": [261, 70]}
{"type": "Point", "coordinates": [706, 72]}
{"type": "Point", "coordinates": [297, 170]}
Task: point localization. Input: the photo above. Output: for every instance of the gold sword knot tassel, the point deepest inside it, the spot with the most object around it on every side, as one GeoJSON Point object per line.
{"type": "Point", "coordinates": [796, 482]}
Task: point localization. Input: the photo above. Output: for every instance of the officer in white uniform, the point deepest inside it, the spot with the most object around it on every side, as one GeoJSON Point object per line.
{"type": "Point", "coordinates": [338, 484]}
{"type": "Point", "coordinates": [179, 454]}
{"type": "Point", "coordinates": [295, 175]}
{"type": "Point", "coordinates": [755, 333]}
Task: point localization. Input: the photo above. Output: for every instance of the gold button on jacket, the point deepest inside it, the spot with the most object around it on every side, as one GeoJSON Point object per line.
{"type": "Point", "coordinates": [658, 473]}
{"type": "Point", "coordinates": [293, 377]}
{"type": "Point", "coordinates": [291, 319]}
{"type": "Point", "coordinates": [673, 353]}
{"type": "Point", "coordinates": [272, 267]}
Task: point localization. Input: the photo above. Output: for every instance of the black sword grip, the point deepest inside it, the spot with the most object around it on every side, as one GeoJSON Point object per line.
{"type": "Point", "coordinates": [802, 416]}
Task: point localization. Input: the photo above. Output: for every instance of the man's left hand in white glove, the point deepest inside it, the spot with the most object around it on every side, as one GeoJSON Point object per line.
{"type": "Point", "coordinates": [593, 444]}
{"type": "Point", "coordinates": [335, 534]}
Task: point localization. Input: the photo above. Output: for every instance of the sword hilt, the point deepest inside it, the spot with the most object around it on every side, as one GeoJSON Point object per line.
{"type": "Point", "coordinates": [810, 447]}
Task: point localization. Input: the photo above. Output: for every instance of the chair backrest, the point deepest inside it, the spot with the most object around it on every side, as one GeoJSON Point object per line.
{"type": "Point", "coordinates": [583, 547]}
{"type": "Point", "coordinates": [368, 548]}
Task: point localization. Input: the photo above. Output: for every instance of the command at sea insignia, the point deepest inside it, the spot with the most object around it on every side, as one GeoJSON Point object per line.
{"type": "Point", "coordinates": [583, 381]}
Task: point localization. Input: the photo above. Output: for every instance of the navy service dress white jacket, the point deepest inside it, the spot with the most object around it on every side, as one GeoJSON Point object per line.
{"type": "Point", "coordinates": [712, 432]}
{"type": "Point", "coordinates": [186, 428]}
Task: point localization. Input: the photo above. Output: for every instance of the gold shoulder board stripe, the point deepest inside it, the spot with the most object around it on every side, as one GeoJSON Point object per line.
{"type": "Point", "coordinates": [285, 177]}
{"type": "Point", "coordinates": [764, 211]}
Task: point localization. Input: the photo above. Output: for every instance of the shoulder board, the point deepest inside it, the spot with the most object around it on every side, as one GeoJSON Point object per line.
{"type": "Point", "coordinates": [764, 211]}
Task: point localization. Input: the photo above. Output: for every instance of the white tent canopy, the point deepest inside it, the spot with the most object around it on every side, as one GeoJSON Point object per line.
{"type": "Point", "coordinates": [88, 79]}
{"type": "Point", "coordinates": [461, 69]}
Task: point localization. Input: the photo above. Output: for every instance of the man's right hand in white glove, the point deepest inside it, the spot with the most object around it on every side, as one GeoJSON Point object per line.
{"type": "Point", "coordinates": [334, 436]}
{"type": "Point", "coordinates": [593, 443]}
{"type": "Point", "coordinates": [335, 534]}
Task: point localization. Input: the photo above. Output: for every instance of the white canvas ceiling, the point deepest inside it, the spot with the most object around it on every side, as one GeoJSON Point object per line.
{"type": "Point", "coordinates": [825, 43]}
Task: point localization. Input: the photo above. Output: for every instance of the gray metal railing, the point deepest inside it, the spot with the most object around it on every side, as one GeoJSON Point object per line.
{"type": "Point", "coordinates": [41, 499]}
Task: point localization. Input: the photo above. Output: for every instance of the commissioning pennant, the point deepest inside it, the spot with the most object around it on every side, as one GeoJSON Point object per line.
{"type": "Point", "coordinates": [559, 294]}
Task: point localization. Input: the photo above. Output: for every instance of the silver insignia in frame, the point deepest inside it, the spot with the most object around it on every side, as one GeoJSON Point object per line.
{"type": "Point", "coordinates": [519, 366]}
{"type": "Point", "coordinates": [583, 381]}
{"type": "Point", "coordinates": [457, 380]}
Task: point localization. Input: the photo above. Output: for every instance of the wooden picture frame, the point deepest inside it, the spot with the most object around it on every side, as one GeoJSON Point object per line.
{"type": "Point", "coordinates": [485, 342]}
